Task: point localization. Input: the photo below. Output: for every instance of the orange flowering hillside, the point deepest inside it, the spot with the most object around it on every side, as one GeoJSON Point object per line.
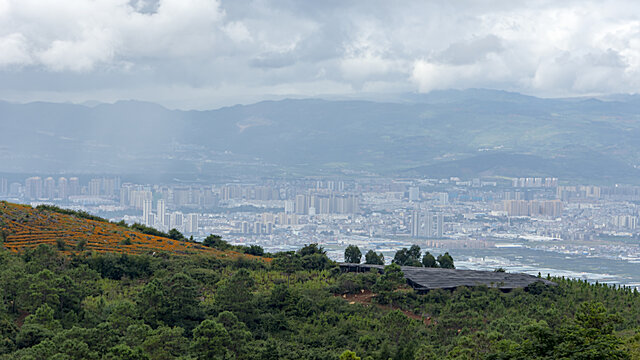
{"type": "Point", "coordinates": [23, 227]}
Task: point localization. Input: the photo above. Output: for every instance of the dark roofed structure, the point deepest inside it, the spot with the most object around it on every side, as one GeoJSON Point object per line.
{"type": "Point", "coordinates": [425, 279]}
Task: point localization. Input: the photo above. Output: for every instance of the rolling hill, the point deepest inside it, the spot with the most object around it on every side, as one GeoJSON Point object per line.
{"type": "Point", "coordinates": [24, 227]}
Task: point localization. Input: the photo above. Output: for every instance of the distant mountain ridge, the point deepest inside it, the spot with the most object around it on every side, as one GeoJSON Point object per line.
{"type": "Point", "coordinates": [423, 135]}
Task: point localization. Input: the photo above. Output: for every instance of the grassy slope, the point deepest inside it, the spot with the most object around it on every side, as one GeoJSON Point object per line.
{"type": "Point", "coordinates": [25, 227]}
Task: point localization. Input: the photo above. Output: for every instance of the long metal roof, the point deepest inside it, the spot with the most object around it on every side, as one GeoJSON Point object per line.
{"type": "Point", "coordinates": [424, 279]}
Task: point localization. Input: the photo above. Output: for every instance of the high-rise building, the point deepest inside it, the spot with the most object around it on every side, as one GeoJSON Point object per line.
{"type": "Point", "coordinates": [422, 224]}
{"type": "Point", "coordinates": [231, 192]}
{"type": "Point", "coordinates": [545, 208]}
{"type": "Point", "coordinates": [74, 186]}
{"type": "Point", "coordinates": [414, 193]}
{"type": "Point", "coordinates": [257, 227]}
{"type": "Point", "coordinates": [95, 187]}
{"type": "Point", "coordinates": [151, 219]}
{"type": "Point", "coordinates": [161, 210]}
{"type": "Point", "coordinates": [191, 224]}
{"type": "Point", "coordinates": [33, 188]}
{"type": "Point", "coordinates": [146, 212]}
{"type": "Point", "coordinates": [428, 225]}
{"type": "Point", "coordinates": [354, 204]}
{"type": "Point", "coordinates": [324, 205]}
{"type": "Point", "coordinates": [311, 203]}
{"type": "Point", "coordinates": [289, 206]}
{"type": "Point", "coordinates": [176, 220]}
{"type": "Point", "coordinates": [439, 225]}
{"type": "Point", "coordinates": [109, 186]}
{"type": "Point", "coordinates": [63, 188]}
{"type": "Point", "coordinates": [138, 196]}
{"type": "Point", "coordinates": [591, 191]}
{"type": "Point", "coordinates": [267, 217]}
{"type": "Point", "coordinates": [301, 204]}
{"type": "Point", "coordinates": [516, 207]}
{"type": "Point", "coordinates": [49, 188]}
{"type": "Point", "coordinates": [285, 219]}
{"type": "Point", "coordinates": [415, 224]}
{"type": "Point", "coordinates": [626, 221]}
{"type": "Point", "coordinates": [443, 198]}
{"type": "Point", "coordinates": [125, 192]}
{"type": "Point", "coordinates": [15, 189]}
{"type": "Point", "coordinates": [535, 208]}
{"type": "Point", "coordinates": [4, 187]}
{"type": "Point", "coordinates": [534, 182]}
{"type": "Point", "coordinates": [349, 204]}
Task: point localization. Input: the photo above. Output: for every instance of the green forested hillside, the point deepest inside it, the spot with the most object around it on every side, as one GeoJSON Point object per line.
{"type": "Point", "coordinates": [299, 306]}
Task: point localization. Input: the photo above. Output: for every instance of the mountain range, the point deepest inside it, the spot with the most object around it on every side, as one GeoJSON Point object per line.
{"type": "Point", "coordinates": [466, 133]}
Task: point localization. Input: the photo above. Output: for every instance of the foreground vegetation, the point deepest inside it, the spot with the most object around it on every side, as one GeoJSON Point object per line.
{"type": "Point", "coordinates": [299, 306]}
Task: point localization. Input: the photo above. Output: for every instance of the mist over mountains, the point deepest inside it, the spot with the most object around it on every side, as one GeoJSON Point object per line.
{"type": "Point", "coordinates": [444, 133]}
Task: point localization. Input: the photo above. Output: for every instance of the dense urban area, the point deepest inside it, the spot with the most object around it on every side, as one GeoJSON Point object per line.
{"type": "Point", "coordinates": [478, 219]}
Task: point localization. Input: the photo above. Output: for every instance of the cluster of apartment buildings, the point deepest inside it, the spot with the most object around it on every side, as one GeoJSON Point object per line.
{"type": "Point", "coordinates": [163, 220]}
{"type": "Point", "coordinates": [37, 188]}
{"type": "Point", "coordinates": [427, 224]}
{"type": "Point", "coordinates": [306, 210]}
{"type": "Point", "coordinates": [534, 208]}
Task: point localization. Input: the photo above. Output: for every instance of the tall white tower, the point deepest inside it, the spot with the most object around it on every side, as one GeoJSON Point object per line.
{"type": "Point", "coordinates": [439, 225]}
{"type": "Point", "coordinates": [414, 193]}
{"type": "Point", "coordinates": [146, 211]}
{"type": "Point", "coordinates": [415, 224]}
{"type": "Point", "coordinates": [161, 210]}
{"type": "Point", "coordinates": [428, 225]}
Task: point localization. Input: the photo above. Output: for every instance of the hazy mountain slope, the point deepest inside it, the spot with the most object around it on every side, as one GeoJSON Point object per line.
{"type": "Point", "coordinates": [579, 166]}
{"type": "Point", "coordinates": [317, 136]}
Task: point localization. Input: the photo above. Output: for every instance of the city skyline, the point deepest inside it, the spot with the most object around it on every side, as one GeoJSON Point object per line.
{"type": "Point", "coordinates": [484, 221]}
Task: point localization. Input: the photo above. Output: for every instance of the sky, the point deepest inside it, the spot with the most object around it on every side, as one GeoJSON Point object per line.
{"type": "Point", "coordinates": [203, 54]}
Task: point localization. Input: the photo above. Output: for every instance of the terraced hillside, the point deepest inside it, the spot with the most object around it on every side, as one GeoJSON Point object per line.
{"type": "Point", "coordinates": [24, 227]}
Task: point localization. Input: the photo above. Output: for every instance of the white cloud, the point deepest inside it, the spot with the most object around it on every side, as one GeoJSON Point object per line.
{"type": "Point", "coordinates": [238, 32]}
{"type": "Point", "coordinates": [82, 54]}
{"type": "Point", "coordinates": [366, 67]}
{"type": "Point", "coordinates": [13, 50]}
{"type": "Point", "coordinates": [78, 35]}
{"type": "Point", "coordinates": [235, 47]}
{"type": "Point", "coordinates": [562, 49]}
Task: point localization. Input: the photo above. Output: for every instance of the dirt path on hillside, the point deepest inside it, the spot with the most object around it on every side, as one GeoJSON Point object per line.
{"type": "Point", "coordinates": [364, 297]}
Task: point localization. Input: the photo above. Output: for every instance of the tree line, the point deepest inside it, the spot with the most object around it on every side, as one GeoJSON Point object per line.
{"type": "Point", "coordinates": [403, 257]}
{"type": "Point", "coordinates": [293, 305]}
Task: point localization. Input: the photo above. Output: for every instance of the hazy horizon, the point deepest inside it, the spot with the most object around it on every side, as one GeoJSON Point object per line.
{"type": "Point", "coordinates": [391, 98]}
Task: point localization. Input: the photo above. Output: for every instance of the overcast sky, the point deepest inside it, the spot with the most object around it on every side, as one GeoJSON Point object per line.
{"type": "Point", "coordinates": [206, 54]}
